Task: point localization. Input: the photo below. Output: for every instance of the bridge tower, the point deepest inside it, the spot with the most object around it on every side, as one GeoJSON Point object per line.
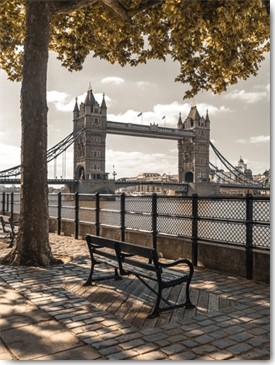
{"type": "Point", "coordinates": [89, 149]}
{"type": "Point", "coordinates": [193, 152]}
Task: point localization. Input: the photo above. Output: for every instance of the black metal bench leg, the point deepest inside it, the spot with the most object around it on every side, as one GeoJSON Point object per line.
{"type": "Point", "coordinates": [117, 276]}
{"type": "Point", "coordinates": [188, 304]}
{"type": "Point", "coordinates": [89, 280]}
{"type": "Point", "coordinates": [155, 311]}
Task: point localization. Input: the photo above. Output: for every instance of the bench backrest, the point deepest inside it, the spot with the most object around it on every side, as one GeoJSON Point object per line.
{"type": "Point", "coordinates": [126, 251]}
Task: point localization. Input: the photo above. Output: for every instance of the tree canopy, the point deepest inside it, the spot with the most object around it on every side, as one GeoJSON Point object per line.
{"type": "Point", "coordinates": [216, 42]}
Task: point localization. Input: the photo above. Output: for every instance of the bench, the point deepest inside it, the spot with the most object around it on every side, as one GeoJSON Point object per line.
{"type": "Point", "coordinates": [9, 228]}
{"type": "Point", "coordinates": [143, 263]}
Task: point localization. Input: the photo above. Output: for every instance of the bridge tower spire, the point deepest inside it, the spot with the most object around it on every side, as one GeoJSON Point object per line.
{"type": "Point", "coordinates": [193, 153]}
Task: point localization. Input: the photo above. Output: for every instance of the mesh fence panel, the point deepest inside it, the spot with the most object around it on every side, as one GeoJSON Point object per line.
{"type": "Point", "coordinates": [53, 205]}
{"type": "Point", "coordinates": [110, 218]}
{"type": "Point", "coordinates": [261, 211]}
{"type": "Point", "coordinates": [261, 236]}
{"type": "Point", "coordinates": [87, 215]}
{"type": "Point", "coordinates": [138, 205]}
{"type": "Point", "coordinates": [223, 232]}
{"type": "Point", "coordinates": [174, 226]}
{"type": "Point", "coordinates": [175, 206]}
{"type": "Point", "coordinates": [142, 222]}
{"type": "Point", "coordinates": [227, 209]}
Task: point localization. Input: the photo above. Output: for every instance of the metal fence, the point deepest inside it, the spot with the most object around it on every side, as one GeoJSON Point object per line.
{"type": "Point", "coordinates": [236, 221]}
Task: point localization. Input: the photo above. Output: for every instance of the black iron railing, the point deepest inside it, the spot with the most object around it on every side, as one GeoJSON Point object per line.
{"type": "Point", "coordinates": [236, 221]}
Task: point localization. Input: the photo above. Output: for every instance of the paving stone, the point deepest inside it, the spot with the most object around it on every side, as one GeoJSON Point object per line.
{"type": "Point", "coordinates": [239, 348]}
{"type": "Point", "coordinates": [173, 349]}
{"type": "Point", "coordinates": [155, 337]}
{"type": "Point", "coordinates": [103, 344]}
{"type": "Point", "coordinates": [122, 355]}
{"type": "Point", "coordinates": [220, 355]}
{"type": "Point", "coordinates": [146, 348]}
{"type": "Point", "coordinates": [223, 343]}
{"type": "Point", "coordinates": [204, 350]}
{"type": "Point", "coordinates": [204, 339]}
{"type": "Point", "coordinates": [259, 341]}
{"type": "Point", "coordinates": [151, 356]}
{"type": "Point", "coordinates": [186, 355]}
{"type": "Point", "coordinates": [130, 344]}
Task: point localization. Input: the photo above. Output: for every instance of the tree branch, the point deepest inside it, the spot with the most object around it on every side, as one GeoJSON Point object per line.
{"type": "Point", "coordinates": [145, 6]}
{"type": "Point", "coordinates": [266, 3]}
{"type": "Point", "coordinates": [67, 6]}
{"type": "Point", "coordinates": [118, 8]}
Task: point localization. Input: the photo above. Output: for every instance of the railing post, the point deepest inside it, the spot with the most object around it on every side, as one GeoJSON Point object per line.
{"type": "Point", "coordinates": [8, 203]}
{"type": "Point", "coordinates": [195, 229]}
{"type": "Point", "coordinates": [12, 205]}
{"type": "Point", "coordinates": [76, 216]}
{"type": "Point", "coordinates": [97, 214]}
{"type": "Point", "coordinates": [59, 217]}
{"type": "Point", "coordinates": [3, 202]}
{"type": "Point", "coordinates": [249, 237]}
{"type": "Point", "coordinates": [154, 220]}
{"type": "Point", "coordinates": [122, 217]}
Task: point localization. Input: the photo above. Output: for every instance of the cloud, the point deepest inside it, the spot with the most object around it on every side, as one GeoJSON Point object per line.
{"type": "Point", "coordinates": [65, 103]}
{"type": "Point", "coordinates": [10, 156]}
{"type": "Point", "coordinates": [143, 84]}
{"type": "Point", "coordinates": [113, 80]}
{"type": "Point", "coordinates": [246, 96]}
{"type": "Point", "coordinates": [170, 111]}
{"type": "Point", "coordinates": [62, 101]}
{"type": "Point", "coordinates": [254, 139]}
{"type": "Point", "coordinates": [241, 141]}
{"type": "Point", "coordinates": [259, 139]}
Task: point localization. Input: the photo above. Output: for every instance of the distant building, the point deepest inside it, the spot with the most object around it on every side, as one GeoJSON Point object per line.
{"type": "Point", "coordinates": [240, 175]}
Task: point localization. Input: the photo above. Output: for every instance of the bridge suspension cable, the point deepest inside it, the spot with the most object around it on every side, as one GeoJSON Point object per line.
{"type": "Point", "coordinates": [52, 153]}
{"type": "Point", "coordinates": [237, 173]}
{"type": "Point", "coordinates": [221, 173]}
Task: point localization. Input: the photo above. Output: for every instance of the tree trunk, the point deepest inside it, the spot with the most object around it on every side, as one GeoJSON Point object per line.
{"type": "Point", "coordinates": [32, 245]}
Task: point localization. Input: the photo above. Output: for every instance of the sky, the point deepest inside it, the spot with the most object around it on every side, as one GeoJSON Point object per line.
{"type": "Point", "coordinates": [240, 117]}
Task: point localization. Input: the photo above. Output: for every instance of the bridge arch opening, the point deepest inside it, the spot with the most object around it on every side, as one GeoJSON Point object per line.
{"type": "Point", "coordinates": [80, 173]}
{"type": "Point", "coordinates": [189, 176]}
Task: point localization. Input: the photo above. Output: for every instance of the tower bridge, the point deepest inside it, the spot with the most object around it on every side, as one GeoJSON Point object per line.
{"type": "Point", "coordinates": [192, 136]}
{"type": "Point", "coordinates": [90, 128]}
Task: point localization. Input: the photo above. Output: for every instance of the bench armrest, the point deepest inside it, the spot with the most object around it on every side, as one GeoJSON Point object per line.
{"type": "Point", "coordinates": [177, 262]}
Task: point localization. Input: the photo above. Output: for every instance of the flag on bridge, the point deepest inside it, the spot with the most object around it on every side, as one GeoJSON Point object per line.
{"type": "Point", "coordinates": [139, 114]}
{"type": "Point", "coordinates": [163, 117]}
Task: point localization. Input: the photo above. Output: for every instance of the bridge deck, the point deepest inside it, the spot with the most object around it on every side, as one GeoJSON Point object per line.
{"type": "Point", "coordinates": [151, 131]}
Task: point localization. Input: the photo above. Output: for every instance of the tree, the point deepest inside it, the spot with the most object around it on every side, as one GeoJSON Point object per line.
{"type": "Point", "coordinates": [216, 42]}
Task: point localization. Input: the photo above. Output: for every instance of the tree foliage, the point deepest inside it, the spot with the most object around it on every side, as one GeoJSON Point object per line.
{"type": "Point", "coordinates": [216, 42]}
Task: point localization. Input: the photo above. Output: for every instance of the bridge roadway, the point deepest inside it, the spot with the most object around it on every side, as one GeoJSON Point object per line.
{"type": "Point", "coordinates": [118, 184]}
{"type": "Point", "coordinates": [151, 131]}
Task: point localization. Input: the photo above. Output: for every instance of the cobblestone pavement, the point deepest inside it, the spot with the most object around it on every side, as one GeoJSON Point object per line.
{"type": "Point", "coordinates": [40, 319]}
